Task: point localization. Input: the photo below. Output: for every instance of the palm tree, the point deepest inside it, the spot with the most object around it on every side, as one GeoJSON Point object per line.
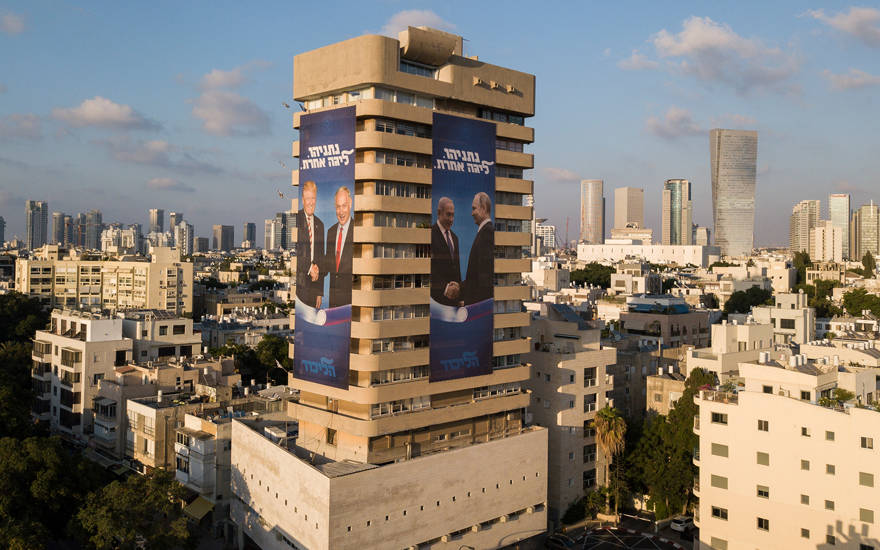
{"type": "Point", "coordinates": [610, 430]}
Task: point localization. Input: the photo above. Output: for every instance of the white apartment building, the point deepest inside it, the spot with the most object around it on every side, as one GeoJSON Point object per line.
{"type": "Point", "coordinates": [777, 470]}
{"type": "Point", "coordinates": [617, 250]}
{"type": "Point", "coordinates": [568, 386]}
{"type": "Point", "coordinates": [158, 334]}
{"type": "Point", "coordinates": [826, 242]}
{"type": "Point", "coordinates": [792, 319]}
{"type": "Point", "coordinates": [732, 344]}
{"type": "Point", "coordinates": [70, 359]}
{"type": "Point", "coordinates": [635, 278]}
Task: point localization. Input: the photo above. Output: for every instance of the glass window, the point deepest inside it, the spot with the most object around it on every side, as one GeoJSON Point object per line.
{"type": "Point", "coordinates": [805, 499]}
{"type": "Point", "coordinates": [805, 533]}
{"type": "Point", "coordinates": [805, 464]}
{"type": "Point", "coordinates": [866, 479]}
{"type": "Point", "coordinates": [719, 449]}
{"type": "Point", "coordinates": [764, 425]}
{"type": "Point", "coordinates": [829, 505]}
{"type": "Point", "coordinates": [830, 469]}
{"type": "Point", "coordinates": [720, 513]}
{"type": "Point", "coordinates": [719, 418]}
{"type": "Point", "coordinates": [763, 524]}
{"type": "Point", "coordinates": [867, 442]}
{"type": "Point", "coordinates": [866, 516]}
{"type": "Point", "coordinates": [829, 436]}
{"type": "Point", "coordinates": [763, 458]}
{"type": "Point", "coordinates": [805, 431]}
{"type": "Point", "coordinates": [719, 482]}
{"type": "Point", "coordinates": [763, 491]}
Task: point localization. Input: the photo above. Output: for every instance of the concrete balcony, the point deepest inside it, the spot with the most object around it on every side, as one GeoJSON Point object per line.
{"type": "Point", "coordinates": [513, 293]}
{"type": "Point", "coordinates": [513, 185]}
{"type": "Point", "coordinates": [511, 212]}
{"type": "Point", "coordinates": [389, 329]}
{"type": "Point", "coordinates": [507, 238]}
{"type": "Point", "coordinates": [390, 297]}
{"type": "Point", "coordinates": [513, 158]}
{"type": "Point", "coordinates": [410, 235]}
{"type": "Point", "coordinates": [523, 265]}
{"type": "Point", "coordinates": [385, 361]}
{"type": "Point", "coordinates": [518, 319]}
{"type": "Point", "coordinates": [381, 203]}
{"type": "Point", "coordinates": [391, 266]}
{"type": "Point", "coordinates": [510, 347]}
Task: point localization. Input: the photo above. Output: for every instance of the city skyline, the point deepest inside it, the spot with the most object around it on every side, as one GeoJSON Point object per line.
{"type": "Point", "coordinates": [203, 124]}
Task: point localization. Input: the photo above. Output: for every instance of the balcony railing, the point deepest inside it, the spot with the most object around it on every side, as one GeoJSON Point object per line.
{"type": "Point", "coordinates": [719, 396]}
{"type": "Point", "coordinates": [697, 453]}
{"type": "Point", "coordinates": [696, 422]}
{"type": "Point", "coordinates": [589, 382]}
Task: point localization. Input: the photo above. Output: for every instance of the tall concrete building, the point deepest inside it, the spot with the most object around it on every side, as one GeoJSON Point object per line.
{"type": "Point", "coordinates": [223, 238]}
{"type": "Point", "coordinates": [865, 231]}
{"type": "Point", "coordinates": [592, 212]}
{"type": "Point", "coordinates": [677, 213]}
{"type": "Point", "coordinates": [629, 207]}
{"type": "Point", "coordinates": [804, 217]}
{"type": "Point", "coordinates": [94, 227]}
{"type": "Point", "coordinates": [398, 459]}
{"type": "Point", "coordinates": [174, 218]}
{"type": "Point", "coordinates": [183, 237]}
{"type": "Point", "coordinates": [734, 157]}
{"type": "Point", "coordinates": [157, 220]}
{"type": "Point", "coordinates": [2, 230]}
{"type": "Point", "coordinates": [37, 224]}
{"type": "Point", "coordinates": [249, 235]}
{"type": "Point", "coordinates": [58, 228]}
{"type": "Point", "coordinates": [840, 212]}
{"type": "Point", "coordinates": [826, 242]}
{"type": "Point", "coordinates": [547, 234]}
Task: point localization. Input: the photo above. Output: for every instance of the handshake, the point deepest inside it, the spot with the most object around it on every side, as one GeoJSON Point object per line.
{"type": "Point", "coordinates": [453, 290]}
{"type": "Point", "coordinates": [313, 272]}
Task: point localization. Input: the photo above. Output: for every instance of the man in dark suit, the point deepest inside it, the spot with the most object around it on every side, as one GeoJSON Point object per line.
{"type": "Point", "coordinates": [445, 256]}
{"type": "Point", "coordinates": [478, 283]}
{"type": "Point", "coordinates": [338, 259]}
{"type": "Point", "coordinates": [309, 249]}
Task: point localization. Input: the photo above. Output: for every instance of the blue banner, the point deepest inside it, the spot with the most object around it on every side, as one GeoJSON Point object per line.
{"type": "Point", "coordinates": [325, 239]}
{"type": "Point", "coordinates": [462, 247]}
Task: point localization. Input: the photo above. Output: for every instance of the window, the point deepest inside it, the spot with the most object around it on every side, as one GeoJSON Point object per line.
{"type": "Point", "coordinates": [763, 425]}
{"type": "Point", "coordinates": [763, 458]}
{"type": "Point", "coordinates": [805, 499]}
{"type": "Point", "coordinates": [719, 481]}
{"type": "Point", "coordinates": [163, 330]}
{"type": "Point", "coordinates": [331, 436]}
{"type": "Point", "coordinates": [718, 544]}
{"type": "Point", "coordinates": [805, 395]}
{"type": "Point", "coordinates": [867, 442]}
{"type": "Point", "coordinates": [763, 524]}
{"type": "Point", "coordinates": [830, 469]}
{"type": "Point", "coordinates": [786, 323]}
{"type": "Point", "coordinates": [805, 431]}
{"type": "Point", "coordinates": [865, 547]}
{"type": "Point", "coordinates": [830, 540]}
{"type": "Point", "coordinates": [768, 389]}
{"type": "Point", "coordinates": [720, 513]}
{"type": "Point", "coordinates": [763, 491]}
{"type": "Point", "coordinates": [829, 436]}
{"type": "Point", "coordinates": [866, 516]}
{"type": "Point", "coordinates": [719, 418]}
{"type": "Point", "coordinates": [805, 464]}
{"type": "Point", "coordinates": [866, 479]}
{"type": "Point", "coordinates": [805, 533]}
{"type": "Point", "coordinates": [179, 329]}
{"type": "Point", "coordinates": [719, 450]}
{"type": "Point", "coordinates": [829, 505]}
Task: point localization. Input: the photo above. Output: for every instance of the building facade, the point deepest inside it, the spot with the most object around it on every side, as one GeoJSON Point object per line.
{"type": "Point", "coordinates": [37, 224]}
{"type": "Point", "coordinates": [840, 212]}
{"type": "Point", "coordinates": [804, 217]}
{"type": "Point", "coordinates": [157, 220]}
{"type": "Point", "coordinates": [629, 207]}
{"type": "Point", "coordinates": [733, 159]}
{"type": "Point", "coordinates": [592, 211]}
{"type": "Point", "coordinates": [223, 238]}
{"type": "Point", "coordinates": [865, 231]}
{"type": "Point", "coordinates": [677, 213]}
{"type": "Point", "coordinates": [826, 243]}
{"type": "Point", "coordinates": [249, 235]}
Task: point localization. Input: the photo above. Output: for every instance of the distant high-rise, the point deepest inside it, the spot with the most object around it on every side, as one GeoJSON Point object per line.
{"type": "Point", "coordinates": [37, 221]}
{"type": "Point", "coordinates": [249, 234]}
{"type": "Point", "coordinates": [272, 235]}
{"type": "Point", "coordinates": [94, 227]}
{"type": "Point", "coordinates": [157, 220]}
{"type": "Point", "coordinates": [826, 242]}
{"type": "Point", "coordinates": [734, 156]}
{"type": "Point", "coordinates": [547, 234]}
{"type": "Point", "coordinates": [592, 212]}
{"type": "Point", "coordinates": [840, 212]}
{"type": "Point", "coordinates": [174, 218]}
{"type": "Point", "coordinates": [2, 230]}
{"type": "Point", "coordinates": [183, 237]}
{"type": "Point", "coordinates": [701, 236]}
{"type": "Point", "coordinates": [200, 244]}
{"type": "Point", "coordinates": [865, 231]}
{"type": "Point", "coordinates": [68, 230]}
{"type": "Point", "coordinates": [629, 207]}
{"type": "Point", "coordinates": [224, 236]}
{"type": "Point", "coordinates": [58, 227]}
{"type": "Point", "coordinates": [804, 217]}
{"type": "Point", "coordinates": [677, 213]}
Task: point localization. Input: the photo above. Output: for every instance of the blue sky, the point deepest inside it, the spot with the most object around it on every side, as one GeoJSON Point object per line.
{"type": "Point", "coordinates": [129, 106]}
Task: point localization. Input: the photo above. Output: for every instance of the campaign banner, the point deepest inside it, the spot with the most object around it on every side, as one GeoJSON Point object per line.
{"type": "Point", "coordinates": [324, 242]}
{"type": "Point", "coordinates": [462, 247]}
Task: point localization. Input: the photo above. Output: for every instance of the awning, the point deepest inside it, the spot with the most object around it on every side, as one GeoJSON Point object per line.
{"type": "Point", "coordinates": [198, 508]}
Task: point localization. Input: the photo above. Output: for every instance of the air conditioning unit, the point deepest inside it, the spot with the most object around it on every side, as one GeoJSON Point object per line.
{"type": "Point", "coordinates": [494, 85]}
{"type": "Point", "coordinates": [478, 81]}
{"type": "Point", "coordinates": [511, 89]}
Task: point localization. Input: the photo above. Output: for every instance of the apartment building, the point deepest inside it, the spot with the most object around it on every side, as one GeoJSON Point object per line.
{"type": "Point", "coordinates": [244, 327]}
{"type": "Point", "coordinates": [635, 278]}
{"type": "Point", "coordinates": [69, 360]}
{"type": "Point", "coordinates": [778, 470]}
{"type": "Point", "coordinates": [664, 320]}
{"type": "Point", "coordinates": [569, 384]}
{"type": "Point", "coordinates": [664, 389]}
{"type": "Point", "coordinates": [62, 278]}
{"type": "Point", "coordinates": [158, 334]}
{"type": "Point", "coordinates": [794, 322]}
{"type": "Point", "coordinates": [408, 437]}
{"type": "Point", "coordinates": [732, 343]}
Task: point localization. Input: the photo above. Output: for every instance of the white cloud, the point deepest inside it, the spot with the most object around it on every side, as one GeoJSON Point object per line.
{"type": "Point", "coordinates": [414, 18]}
{"type": "Point", "coordinates": [736, 121]}
{"type": "Point", "coordinates": [862, 23]}
{"type": "Point", "coordinates": [560, 174]}
{"type": "Point", "coordinates": [854, 79]}
{"type": "Point", "coordinates": [636, 62]}
{"type": "Point", "coordinates": [12, 24]}
{"type": "Point", "coordinates": [226, 113]}
{"type": "Point", "coordinates": [157, 153]}
{"type": "Point", "coordinates": [233, 78]}
{"type": "Point", "coordinates": [102, 112]}
{"type": "Point", "coordinates": [169, 184]}
{"type": "Point", "coordinates": [843, 186]}
{"type": "Point", "coordinates": [675, 123]}
{"type": "Point", "coordinates": [20, 126]}
{"type": "Point", "coordinates": [714, 53]}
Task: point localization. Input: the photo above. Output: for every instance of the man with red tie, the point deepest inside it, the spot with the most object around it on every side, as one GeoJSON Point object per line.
{"type": "Point", "coordinates": [338, 259]}
{"type": "Point", "coordinates": [309, 249]}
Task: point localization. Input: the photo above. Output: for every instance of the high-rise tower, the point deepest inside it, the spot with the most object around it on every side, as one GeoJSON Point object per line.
{"type": "Point", "coordinates": [804, 217]}
{"type": "Point", "coordinates": [157, 220]}
{"type": "Point", "coordinates": [865, 231]}
{"type": "Point", "coordinates": [840, 212]}
{"type": "Point", "coordinates": [37, 221]}
{"type": "Point", "coordinates": [734, 156]}
{"type": "Point", "coordinates": [677, 213]}
{"type": "Point", "coordinates": [629, 207]}
{"type": "Point", "coordinates": [592, 212]}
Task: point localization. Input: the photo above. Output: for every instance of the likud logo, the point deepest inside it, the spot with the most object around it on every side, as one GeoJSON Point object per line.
{"type": "Point", "coordinates": [324, 366]}
{"type": "Point", "coordinates": [468, 360]}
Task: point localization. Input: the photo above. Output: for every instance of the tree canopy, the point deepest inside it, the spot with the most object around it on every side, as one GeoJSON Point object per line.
{"type": "Point", "coordinates": [743, 301]}
{"type": "Point", "coordinates": [858, 300]}
{"type": "Point", "coordinates": [594, 274]}
{"type": "Point", "coordinates": [869, 265]}
{"type": "Point", "coordinates": [801, 262]}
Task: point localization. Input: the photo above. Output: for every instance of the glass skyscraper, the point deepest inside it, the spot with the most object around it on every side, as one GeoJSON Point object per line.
{"type": "Point", "coordinates": [677, 215]}
{"type": "Point", "coordinates": [734, 157]}
{"type": "Point", "coordinates": [592, 212]}
{"type": "Point", "coordinates": [839, 214]}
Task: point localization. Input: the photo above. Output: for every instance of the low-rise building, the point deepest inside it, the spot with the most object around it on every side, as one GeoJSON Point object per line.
{"type": "Point", "coordinates": [158, 334]}
{"type": "Point", "coordinates": [635, 278]}
{"type": "Point", "coordinates": [618, 250]}
{"type": "Point", "coordinates": [794, 322]}
{"type": "Point", "coordinates": [244, 327]}
{"type": "Point", "coordinates": [569, 385]}
{"type": "Point", "coordinates": [732, 344]}
{"type": "Point", "coordinates": [664, 320]}
{"type": "Point", "coordinates": [664, 389]}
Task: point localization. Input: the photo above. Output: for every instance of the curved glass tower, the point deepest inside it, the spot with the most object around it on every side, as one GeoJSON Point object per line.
{"type": "Point", "coordinates": [734, 157]}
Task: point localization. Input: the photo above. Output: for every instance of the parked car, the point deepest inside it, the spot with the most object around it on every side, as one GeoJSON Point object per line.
{"type": "Point", "coordinates": [681, 523]}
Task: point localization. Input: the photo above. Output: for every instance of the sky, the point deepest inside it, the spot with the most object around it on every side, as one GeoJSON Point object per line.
{"type": "Point", "coordinates": [180, 105]}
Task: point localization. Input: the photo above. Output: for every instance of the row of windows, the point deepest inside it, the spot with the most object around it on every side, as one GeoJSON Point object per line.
{"type": "Point", "coordinates": [418, 69]}
{"type": "Point", "coordinates": [403, 128]}
{"type": "Point", "coordinates": [387, 282]}
{"type": "Point", "coordinates": [508, 306]}
{"type": "Point", "coordinates": [496, 390]}
{"type": "Point", "coordinates": [388, 313]}
{"type": "Point", "coordinates": [400, 375]}
{"type": "Point", "coordinates": [399, 158]}
{"type": "Point", "coordinates": [505, 197]}
{"type": "Point", "coordinates": [509, 333]}
{"type": "Point", "coordinates": [401, 251]}
{"type": "Point", "coordinates": [865, 516]}
{"type": "Point", "coordinates": [400, 343]}
{"type": "Point", "coordinates": [399, 406]}
{"type": "Point", "coordinates": [400, 219]}
{"type": "Point", "coordinates": [399, 189]}
{"type": "Point", "coordinates": [764, 426]}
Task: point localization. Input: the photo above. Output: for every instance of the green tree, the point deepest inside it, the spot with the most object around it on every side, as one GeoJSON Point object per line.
{"type": "Point", "coordinates": [594, 274]}
{"type": "Point", "coordinates": [142, 510]}
{"type": "Point", "coordinates": [869, 265]}
{"type": "Point", "coordinates": [743, 301]}
{"type": "Point", "coordinates": [41, 486]}
{"type": "Point", "coordinates": [801, 262]}
{"type": "Point", "coordinates": [610, 433]}
{"type": "Point", "coordinates": [16, 393]}
{"type": "Point", "coordinates": [858, 300]}
{"type": "Point", "coordinates": [274, 348]}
